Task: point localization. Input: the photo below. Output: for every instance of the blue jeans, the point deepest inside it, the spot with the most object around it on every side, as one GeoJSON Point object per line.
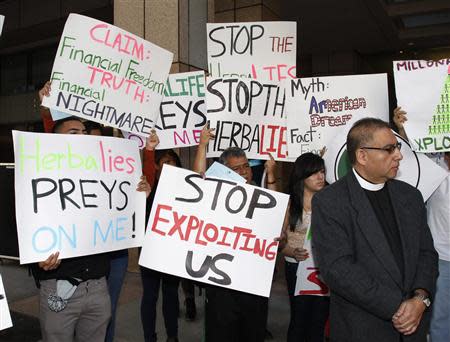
{"type": "Point", "coordinates": [440, 316]}
{"type": "Point", "coordinates": [119, 264]}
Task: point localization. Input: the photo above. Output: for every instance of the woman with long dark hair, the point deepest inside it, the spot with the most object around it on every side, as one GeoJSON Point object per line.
{"type": "Point", "coordinates": [308, 313]}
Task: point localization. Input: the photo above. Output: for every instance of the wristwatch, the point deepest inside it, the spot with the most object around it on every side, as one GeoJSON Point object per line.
{"type": "Point", "coordinates": [424, 299]}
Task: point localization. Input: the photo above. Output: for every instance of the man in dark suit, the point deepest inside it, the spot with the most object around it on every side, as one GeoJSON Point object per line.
{"type": "Point", "coordinates": [373, 245]}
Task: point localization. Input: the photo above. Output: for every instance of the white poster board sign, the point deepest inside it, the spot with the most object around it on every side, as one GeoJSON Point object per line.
{"type": "Point", "coordinates": [318, 108]}
{"type": "Point", "coordinates": [5, 316]}
{"type": "Point", "coordinates": [249, 114]}
{"type": "Point", "coordinates": [423, 91]}
{"type": "Point", "coordinates": [76, 194]}
{"type": "Point", "coordinates": [309, 282]}
{"type": "Point", "coordinates": [140, 139]}
{"type": "Point", "coordinates": [105, 74]}
{"type": "Point", "coordinates": [260, 50]}
{"type": "Point", "coordinates": [182, 113]}
{"type": "Point", "coordinates": [415, 169]}
{"type": "Point", "coordinates": [215, 231]}
{"type": "Point", "coordinates": [58, 115]}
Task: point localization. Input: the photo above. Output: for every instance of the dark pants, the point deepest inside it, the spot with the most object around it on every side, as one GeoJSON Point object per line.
{"type": "Point", "coordinates": [233, 316]}
{"type": "Point", "coordinates": [151, 281]}
{"type": "Point", "coordinates": [117, 272]}
{"type": "Point", "coordinates": [309, 314]}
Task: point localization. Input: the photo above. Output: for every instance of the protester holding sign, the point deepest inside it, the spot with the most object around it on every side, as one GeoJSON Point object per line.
{"type": "Point", "coordinates": [308, 312]}
{"type": "Point", "coordinates": [233, 315]}
{"type": "Point", "coordinates": [66, 286]}
{"type": "Point", "coordinates": [151, 279]}
{"type": "Point", "coordinates": [438, 210]}
{"type": "Point", "coordinates": [118, 259]}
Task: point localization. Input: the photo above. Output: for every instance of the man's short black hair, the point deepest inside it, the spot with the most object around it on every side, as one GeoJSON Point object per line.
{"type": "Point", "coordinates": [59, 123]}
{"type": "Point", "coordinates": [361, 134]}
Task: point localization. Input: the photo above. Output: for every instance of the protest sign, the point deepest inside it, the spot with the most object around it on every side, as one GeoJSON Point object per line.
{"type": "Point", "coordinates": [76, 195]}
{"type": "Point", "coordinates": [260, 50]}
{"type": "Point", "coordinates": [309, 281]}
{"type": "Point", "coordinates": [214, 231]}
{"type": "Point", "coordinates": [248, 114]}
{"type": "Point", "coordinates": [415, 169]}
{"type": "Point", "coordinates": [318, 108]}
{"type": "Point", "coordinates": [5, 316]}
{"type": "Point", "coordinates": [140, 139]}
{"type": "Point", "coordinates": [423, 91]}
{"type": "Point", "coordinates": [58, 115]}
{"type": "Point", "coordinates": [105, 74]}
{"type": "Point", "coordinates": [218, 170]}
{"type": "Point", "coordinates": [182, 110]}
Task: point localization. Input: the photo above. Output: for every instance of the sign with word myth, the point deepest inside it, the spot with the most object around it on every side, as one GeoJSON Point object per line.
{"type": "Point", "coordinates": [76, 194]}
{"type": "Point", "coordinates": [105, 74]}
{"type": "Point", "coordinates": [318, 108]}
{"type": "Point", "coordinates": [213, 230]}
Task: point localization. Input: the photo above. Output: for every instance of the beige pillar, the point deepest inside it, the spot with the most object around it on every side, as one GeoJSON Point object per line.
{"type": "Point", "coordinates": [176, 25]}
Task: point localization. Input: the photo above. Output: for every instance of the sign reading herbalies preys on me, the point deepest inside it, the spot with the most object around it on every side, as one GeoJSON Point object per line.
{"type": "Point", "coordinates": [319, 108]}
{"type": "Point", "coordinates": [249, 114]}
{"type": "Point", "coordinates": [182, 113]}
{"type": "Point", "coordinates": [423, 91]}
{"type": "Point", "coordinates": [229, 242]}
{"type": "Point", "coordinates": [76, 195]}
{"type": "Point", "coordinates": [108, 75]}
{"type": "Point", "coordinates": [260, 50]}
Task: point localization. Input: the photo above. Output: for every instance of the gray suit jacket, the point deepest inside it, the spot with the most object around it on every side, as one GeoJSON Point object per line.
{"type": "Point", "coordinates": [357, 264]}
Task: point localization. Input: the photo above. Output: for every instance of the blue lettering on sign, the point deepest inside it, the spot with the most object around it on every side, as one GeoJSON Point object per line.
{"type": "Point", "coordinates": [113, 231]}
{"type": "Point", "coordinates": [53, 237]}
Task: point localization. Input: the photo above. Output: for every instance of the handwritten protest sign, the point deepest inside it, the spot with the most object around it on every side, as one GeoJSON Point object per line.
{"type": "Point", "coordinates": [58, 115]}
{"type": "Point", "coordinates": [76, 195]}
{"type": "Point", "coordinates": [214, 231]}
{"type": "Point", "coordinates": [415, 169]}
{"type": "Point", "coordinates": [309, 281]}
{"type": "Point", "coordinates": [261, 50]}
{"type": "Point", "coordinates": [423, 91]}
{"type": "Point", "coordinates": [318, 108]}
{"type": "Point", "coordinates": [218, 170]}
{"type": "Point", "coordinates": [5, 316]}
{"type": "Point", "coordinates": [248, 114]}
{"type": "Point", "coordinates": [182, 113]}
{"type": "Point", "coordinates": [140, 139]}
{"type": "Point", "coordinates": [105, 74]}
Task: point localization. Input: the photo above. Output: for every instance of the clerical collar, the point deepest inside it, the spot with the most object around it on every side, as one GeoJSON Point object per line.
{"type": "Point", "coordinates": [365, 184]}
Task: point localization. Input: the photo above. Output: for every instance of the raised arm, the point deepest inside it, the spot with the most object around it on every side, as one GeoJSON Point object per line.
{"type": "Point", "coordinates": [206, 135]}
{"type": "Point", "coordinates": [399, 119]}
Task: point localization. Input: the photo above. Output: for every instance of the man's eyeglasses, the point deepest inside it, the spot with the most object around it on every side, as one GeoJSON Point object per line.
{"type": "Point", "coordinates": [388, 148]}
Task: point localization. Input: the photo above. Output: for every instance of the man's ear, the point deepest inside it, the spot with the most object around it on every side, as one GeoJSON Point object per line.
{"type": "Point", "coordinates": [361, 156]}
